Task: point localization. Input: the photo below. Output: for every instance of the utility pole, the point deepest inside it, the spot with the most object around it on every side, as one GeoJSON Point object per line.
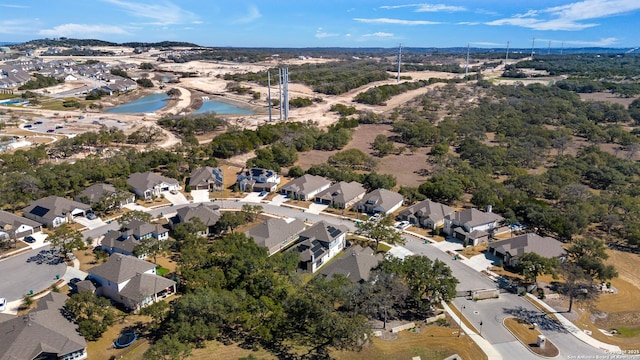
{"type": "Point", "coordinates": [280, 90]}
{"type": "Point", "coordinates": [466, 68]}
{"type": "Point", "coordinates": [399, 61]}
{"type": "Point", "coordinates": [549, 48]}
{"type": "Point", "coordinates": [506, 56]}
{"type": "Point", "coordinates": [269, 93]}
{"type": "Point", "coordinates": [533, 44]}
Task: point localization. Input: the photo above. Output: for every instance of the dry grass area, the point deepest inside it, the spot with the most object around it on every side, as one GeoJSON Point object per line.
{"type": "Point", "coordinates": [528, 336]}
{"type": "Point", "coordinates": [431, 342]}
{"type": "Point", "coordinates": [217, 350]}
{"type": "Point", "coordinates": [403, 166]}
{"type": "Point", "coordinates": [470, 251]}
{"type": "Point", "coordinates": [86, 258]}
{"type": "Point", "coordinates": [103, 348]}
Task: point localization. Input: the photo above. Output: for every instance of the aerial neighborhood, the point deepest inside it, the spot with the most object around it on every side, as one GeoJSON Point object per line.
{"type": "Point", "coordinates": [168, 200]}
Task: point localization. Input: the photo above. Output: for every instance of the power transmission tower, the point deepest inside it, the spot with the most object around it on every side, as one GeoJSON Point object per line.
{"type": "Point", "coordinates": [506, 56]}
{"type": "Point", "coordinates": [269, 93]}
{"type": "Point", "coordinates": [466, 67]}
{"type": "Point", "coordinates": [399, 60]}
{"type": "Point", "coordinates": [533, 44]}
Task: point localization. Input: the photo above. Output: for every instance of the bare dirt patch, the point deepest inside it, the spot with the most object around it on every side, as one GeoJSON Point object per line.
{"type": "Point", "coordinates": [608, 97]}
{"type": "Point", "coordinates": [403, 166]}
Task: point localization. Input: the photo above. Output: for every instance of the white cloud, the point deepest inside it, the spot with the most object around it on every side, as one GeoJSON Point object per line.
{"type": "Point", "coordinates": [161, 12]}
{"type": "Point", "coordinates": [569, 17]}
{"type": "Point", "coordinates": [252, 15]}
{"type": "Point", "coordinates": [15, 6]}
{"type": "Point", "coordinates": [321, 34]}
{"type": "Point", "coordinates": [426, 7]}
{"type": "Point", "coordinates": [82, 30]}
{"type": "Point", "coordinates": [379, 34]}
{"type": "Point", "coordinates": [468, 23]}
{"type": "Point", "coordinates": [16, 26]}
{"type": "Point", "coordinates": [395, 21]}
{"type": "Point", "coordinates": [605, 42]}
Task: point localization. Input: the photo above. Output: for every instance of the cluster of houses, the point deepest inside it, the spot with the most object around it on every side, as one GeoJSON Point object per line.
{"type": "Point", "coordinates": [130, 280]}
{"type": "Point", "coordinates": [14, 73]}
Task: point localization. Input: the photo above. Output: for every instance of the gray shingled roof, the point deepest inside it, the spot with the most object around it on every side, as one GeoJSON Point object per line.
{"type": "Point", "coordinates": [202, 176]}
{"type": "Point", "coordinates": [382, 198]}
{"type": "Point", "coordinates": [51, 207]}
{"type": "Point", "coordinates": [355, 264]}
{"type": "Point", "coordinates": [323, 231]}
{"type": "Point", "coordinates": [306, 184]}
{"type": "Point", "coordinates": [119, 240]}
{"type": "Point", "coordinates": [342, 192]}
{"type": "Point", "coordinates": [96, 192]}
{"type": "Point", "coordinates": [144, 285]}
{"type": "Point", "coordinates": [209, 215]}
{"type": "Point", "coordinates": [44, 329]}
{"type": "Point", "coordinates": [272, 232]}
{"type": "Point", "coordinates": [544, 246]}
{"type": "Point", "coordinates": [428, 209]}
{"type": "Point", "coordinates": [120, 268]}
{"type": "Point", "coordinates": [141, 228]}
{"type": "Point", "coordinates": [7, 218]}
{"type": "Point", "coordinates": [147, 180]}
{"type": "Point", "coordinates": [474, 217]}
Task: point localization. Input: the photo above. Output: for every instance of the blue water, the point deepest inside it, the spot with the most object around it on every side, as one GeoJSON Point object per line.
{"type": "Point", "coordinates": [219, 107]}
{"type": "Point", "coordinates": [146, 104]}
{"type": "Point", "coordinates": [13, 102]}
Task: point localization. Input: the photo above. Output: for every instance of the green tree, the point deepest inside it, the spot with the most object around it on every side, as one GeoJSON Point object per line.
{"type": "Point", "coordinates": [380, 231]}
{"type": "Point", "coordinates": [168, 348]}
{"type": "Point", "coordinates": [382, 146]}
{"type": "Point", "coordinates": [589, 254]}
{"type": "Point", "coordinates": [66, 239]}
{"type": "Point", "coordinates": [532, 265]}
{"type": "Point", "coordinates": [92, 314]}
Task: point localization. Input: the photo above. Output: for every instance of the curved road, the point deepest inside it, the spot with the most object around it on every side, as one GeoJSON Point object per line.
{"type": "Point", "coordinates": [19, 276]}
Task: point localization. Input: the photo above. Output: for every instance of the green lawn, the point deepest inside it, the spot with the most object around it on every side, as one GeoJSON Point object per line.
{"type": "Point", "coordinates": [162, 271]}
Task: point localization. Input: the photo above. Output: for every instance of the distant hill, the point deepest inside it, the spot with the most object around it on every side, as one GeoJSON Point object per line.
{"type": "Point", "coordinates": [67, 42]}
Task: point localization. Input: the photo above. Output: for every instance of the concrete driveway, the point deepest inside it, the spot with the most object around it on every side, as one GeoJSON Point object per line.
{"type": "Point", "coordinates": [200, 196]}
{"type": "Point", "coordinates": [175, 199]}
{"type": "Point", "coordinates": [89, 224]}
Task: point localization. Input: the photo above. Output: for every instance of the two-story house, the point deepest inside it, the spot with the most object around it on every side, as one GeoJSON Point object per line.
{"type": "Point", "coordinates": [472, 226]}
{"type": "Point", "coordinates": [427, 213]}
{"type": "Point", "coordinates": [319, 244]}
{"type": "Point", "coordinates": [257, 179]}
{"type": "Point", "coordinates": [131, 281]}
{"type": "Point", "coordinates": [380, 201]}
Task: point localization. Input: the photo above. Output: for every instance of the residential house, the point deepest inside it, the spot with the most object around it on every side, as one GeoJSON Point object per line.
{"type": "Point", "coordinates": [149, 185]}
{"type": "Point", "coordinates": [472, 226]}
{"type": "Point", "coordinates": [380, 201]}
{"type": "Point", "coordinates": [130, 236]}
{"type": "Point", "coordinates": [131, 281]}
{"type": "Point", "coordinates": [342, 195]}
{"type": "Point", "coordinates": [305, 187]}
{"type": "Point", "coordinates": [275, 234]}
{"type": "Point", "coordinates": [319, 244]}
{"type": "Point", "coordinates": [510, 250]}
{"type": "Point", "coordinates": [355, 264]}
{"type": "Point", "coordinates": [14, 226]}
{"type": "Point", "coordinates": [427, 213]}
{"type": "Point", "coordinates": [207, 178]}
{"type": "Point", "coordinates": [207, 214]}
{"type": "Point", "coordinates": [43, 333]}
{"type": "Point", "coordinates": [257, 179]}
{"type": "Point", "coordinates": [53, 211]}
{"type": "Point", "coordinates": [107, 193]}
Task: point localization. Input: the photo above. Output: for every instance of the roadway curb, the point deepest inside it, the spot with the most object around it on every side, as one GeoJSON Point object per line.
{"type": "Point", "coordinates": [482, 343]}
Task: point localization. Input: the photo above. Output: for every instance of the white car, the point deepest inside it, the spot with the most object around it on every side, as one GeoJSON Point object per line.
{"type": "Point", "coordinates": [3, 304]}
{"type": "Point", "coordinates": [402, 225]}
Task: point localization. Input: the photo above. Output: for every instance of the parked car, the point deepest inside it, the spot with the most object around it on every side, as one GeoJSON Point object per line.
{"type": "Point", "coordinates": [92, 216]}
{"type": "Point", "coordinates": [50, 130]}
{"type": "Point", "coordinates": [3, 304]}
{"type": "Point", "coordinates": [401, 225]}
{"type": "Point", "coordinates": [29, 239]}
{"type": "Point", "coordinates": [28, 126]}
{"type": "Point", "coordinates": [375, 217]}
{"type": "Point", "coordinates": [38, 122]}
{"type": "Point", "coordinates": [59, 126]}
{"type": "Point", "coordinates": [263, 193]}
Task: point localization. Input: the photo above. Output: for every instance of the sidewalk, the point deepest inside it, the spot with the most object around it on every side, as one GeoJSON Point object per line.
{"type": "Point", "coordinates": [486, 347]}
{"type": "Point", "coordinates": [574, 330]}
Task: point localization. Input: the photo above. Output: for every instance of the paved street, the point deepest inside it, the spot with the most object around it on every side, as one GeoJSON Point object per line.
{"type": "Point", "coordinates": [19, 276]}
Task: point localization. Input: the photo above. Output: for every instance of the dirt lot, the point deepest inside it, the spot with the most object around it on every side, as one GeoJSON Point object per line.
{"type": "Point", "coordinates": [403, 166]}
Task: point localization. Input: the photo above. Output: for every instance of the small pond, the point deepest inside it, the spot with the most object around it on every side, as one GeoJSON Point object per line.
{"type": "Point", "coordinates": [219, 107]}
{"type": "Point", "coordinates": [145, 104]}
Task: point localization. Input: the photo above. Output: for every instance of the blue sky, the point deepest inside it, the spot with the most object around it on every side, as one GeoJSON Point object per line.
{"type": "Point", "coordinates": [330, 23]}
